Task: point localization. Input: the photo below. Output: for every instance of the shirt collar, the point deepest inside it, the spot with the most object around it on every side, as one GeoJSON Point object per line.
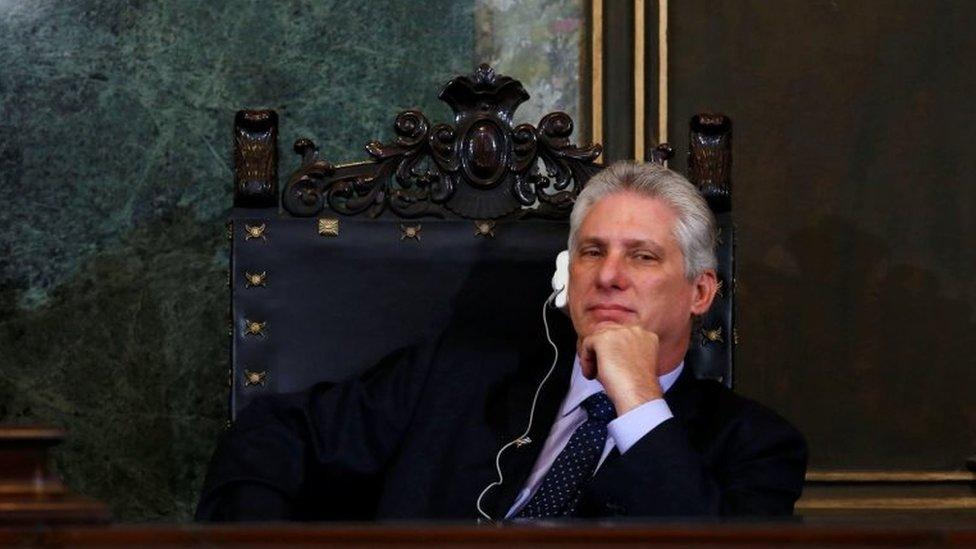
{"type": "Point", "coordinates": [580, 388]}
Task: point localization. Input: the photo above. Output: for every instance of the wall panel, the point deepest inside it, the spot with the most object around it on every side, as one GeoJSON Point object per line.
{"type": "Point", "coordinates": [855, 207]}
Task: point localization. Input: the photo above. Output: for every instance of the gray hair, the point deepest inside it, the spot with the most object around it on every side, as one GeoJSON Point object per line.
{"type": "Point", "coordinates": [695, 228]}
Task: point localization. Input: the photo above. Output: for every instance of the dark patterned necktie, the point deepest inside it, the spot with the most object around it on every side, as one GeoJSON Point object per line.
{"type": "Point", "coordinates": [560, 489]}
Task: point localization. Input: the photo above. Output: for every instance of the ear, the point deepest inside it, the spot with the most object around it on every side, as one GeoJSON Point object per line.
{"type": "Point", "coordinates": [706, 284]}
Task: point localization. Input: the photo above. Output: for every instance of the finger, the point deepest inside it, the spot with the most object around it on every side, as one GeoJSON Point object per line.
{"type": "Point", "coordinates": [588, 358]}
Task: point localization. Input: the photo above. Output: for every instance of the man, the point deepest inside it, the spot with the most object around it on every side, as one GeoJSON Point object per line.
{"type": "Point", "coordinates": [623, 430]}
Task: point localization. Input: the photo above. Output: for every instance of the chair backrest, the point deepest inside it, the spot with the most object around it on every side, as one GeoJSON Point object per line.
{"type": "Point", "coordinates": [446, 223]}
{"type": "Point", "coordinates": [712, 349]}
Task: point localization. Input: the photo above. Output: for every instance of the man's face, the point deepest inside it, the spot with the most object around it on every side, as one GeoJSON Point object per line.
{"type": "Point", "coordinates": [627, 268]}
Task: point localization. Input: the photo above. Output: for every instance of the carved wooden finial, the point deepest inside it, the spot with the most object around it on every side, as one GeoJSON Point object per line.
{"type": "Point", "coordinates": [662, 153]}
{"type": "Point", "coordinates": [710, 158]}
{"type": "Point", "coordinates": [256, 159]}
{"type": "Point", "coordinates": [484, 91]}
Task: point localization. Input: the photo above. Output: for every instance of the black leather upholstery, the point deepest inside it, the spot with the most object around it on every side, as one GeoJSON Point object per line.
{"type": "Point", "coordinates": [333, 306]}
{"type": "Point", "coordinates": [713, 340]}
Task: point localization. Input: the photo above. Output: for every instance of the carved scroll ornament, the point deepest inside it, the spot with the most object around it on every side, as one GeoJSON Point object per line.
{"type": "Point", "coordinates": [480, 167]}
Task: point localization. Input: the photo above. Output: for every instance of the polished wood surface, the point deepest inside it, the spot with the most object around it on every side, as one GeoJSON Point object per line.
{"type": "Point", "coordinates": [893, 534]}
{"type": "Point", "coordinates": [29, 491]}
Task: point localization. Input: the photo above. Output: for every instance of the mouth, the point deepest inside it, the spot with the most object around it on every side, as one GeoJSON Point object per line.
{"type": "Point", "coordinates": [609, 307]}
{"type": "Point", "coordinates": [609, 311]}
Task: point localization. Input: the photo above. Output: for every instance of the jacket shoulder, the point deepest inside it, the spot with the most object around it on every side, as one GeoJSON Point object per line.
{"type": "Point", "coordinates": [722, 410]}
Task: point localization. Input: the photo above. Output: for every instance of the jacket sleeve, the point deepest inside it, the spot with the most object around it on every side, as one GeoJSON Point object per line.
{"type": "Point", "coordinates": [323, 439]}
{"type": "Point", "coordinates": [754, 465]}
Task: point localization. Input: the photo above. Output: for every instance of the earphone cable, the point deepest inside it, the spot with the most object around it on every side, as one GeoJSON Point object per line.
{"type": "Point", "coordinates": [528, 428]}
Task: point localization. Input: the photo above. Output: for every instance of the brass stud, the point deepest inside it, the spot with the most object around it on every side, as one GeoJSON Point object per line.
{"type": "Point", "coordinates": [328, 226]}
{"type": "Point", "coordinates": [252, 280]}
{"type": "Point", "coordinates": [735, 336]}
{"type": "Point", "coordinates": [410, 231]}
{"type": "Point", "coordinates": [227, 424]}
{"type": "Point", "coordinates": [719, 287]}
{"type": "Point", "coordinates": [719, 239]}
{"type": "Point", "coordinates": [485, 228]}
{"type": "Point", "coordinates": [229, 226]}
{"type": "Point", "coordinates": [254, 328]}
{"type": "Point", "coordinates": [713, 335]}
{"type": "Point", "coordinates": [254, 378]}
{"type": "Point", "coordinates": [255, 231]}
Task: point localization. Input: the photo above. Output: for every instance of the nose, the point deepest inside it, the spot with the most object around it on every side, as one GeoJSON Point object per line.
{"type": "Point", "coordinates": [612, 274]}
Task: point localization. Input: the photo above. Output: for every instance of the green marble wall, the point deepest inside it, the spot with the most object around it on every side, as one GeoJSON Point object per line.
{"type": "Point", "coordinates": [115, 178]}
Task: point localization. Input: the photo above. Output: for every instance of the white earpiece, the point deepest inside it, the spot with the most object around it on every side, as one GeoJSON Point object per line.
{"type": "Point", "coordinates": [560, 279]}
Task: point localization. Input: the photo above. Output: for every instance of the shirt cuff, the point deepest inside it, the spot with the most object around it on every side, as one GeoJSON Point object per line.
{"type": "Point", "coordinates": [627, 429]}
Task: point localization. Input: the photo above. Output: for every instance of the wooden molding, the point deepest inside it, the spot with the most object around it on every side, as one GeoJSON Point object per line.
{"type": "Point", "coordinates": [828, 476]}
{"type": "Point", "coordinates": [662, 75]}
{"type": "Point", "coordinates": [639, 80]}
{"type": "Point", "coordinates": [596, 76]}
{"type": "Point", "coordinates": [890, 503]}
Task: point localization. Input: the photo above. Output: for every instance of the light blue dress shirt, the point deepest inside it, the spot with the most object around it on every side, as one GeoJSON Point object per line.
{"type": "Point", "coordinates": [623, 432]}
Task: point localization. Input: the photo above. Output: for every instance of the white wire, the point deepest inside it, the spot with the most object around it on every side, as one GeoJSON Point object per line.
{"type": "Point", "coordinates": [528, 428]}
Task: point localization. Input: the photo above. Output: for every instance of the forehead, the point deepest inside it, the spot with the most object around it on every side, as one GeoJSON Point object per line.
{"type": "Point", "coordinates": [628, 215]}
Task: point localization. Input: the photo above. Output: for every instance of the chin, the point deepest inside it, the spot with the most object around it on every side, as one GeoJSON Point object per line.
{"type": "Point", "coordinates": [592, 326]}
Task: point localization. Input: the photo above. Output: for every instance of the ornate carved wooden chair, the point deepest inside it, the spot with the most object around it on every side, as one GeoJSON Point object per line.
{"type": "Point", "coordinates": [446, 223]}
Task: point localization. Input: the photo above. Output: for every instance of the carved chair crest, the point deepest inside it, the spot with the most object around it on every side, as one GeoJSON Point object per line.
{"type": "Point", "coordinates": [480, 167]}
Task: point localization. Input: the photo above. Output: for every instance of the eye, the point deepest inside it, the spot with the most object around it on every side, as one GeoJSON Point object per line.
{"type": "Point", "coordinates": [645, 256]}
{"type": "Point", "coordinates": [589, 251]}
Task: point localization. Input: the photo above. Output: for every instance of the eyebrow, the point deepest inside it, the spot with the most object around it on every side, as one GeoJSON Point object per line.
{"type": "Point", "coordinates": [629, 243]}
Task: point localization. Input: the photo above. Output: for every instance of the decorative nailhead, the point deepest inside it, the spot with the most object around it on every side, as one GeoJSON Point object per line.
{"type": "Point", "coordinates": [410, 231]}
{"type": "Point", "coordinates": [252, 280]}
{"type": "Point", "coordinates": [255, 232]}
{"type": "Point", "coordinates": [328, 226]}
{"type": "Point", "coordinates": [254, 378]}
{"type": "Point", "coordinates": [485, 228]}
{"type": "Point", "coordinates": [713, 335]}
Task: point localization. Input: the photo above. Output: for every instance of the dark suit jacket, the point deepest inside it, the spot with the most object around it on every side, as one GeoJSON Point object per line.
{"type": "Point", "coordinates": [416, 438]}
